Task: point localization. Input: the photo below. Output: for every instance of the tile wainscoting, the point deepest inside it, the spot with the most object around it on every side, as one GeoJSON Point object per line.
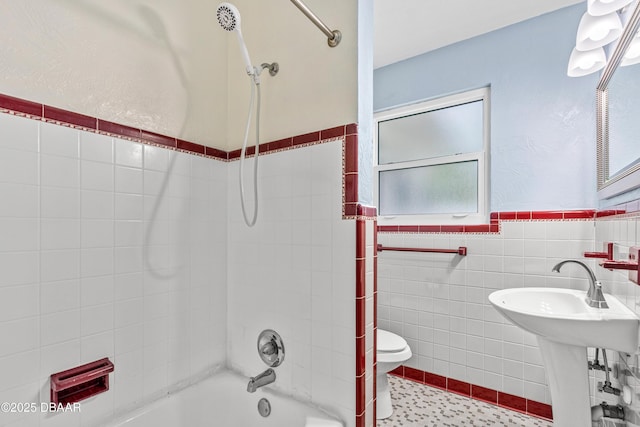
{"type": "Point", "coordinates": [96, 221]}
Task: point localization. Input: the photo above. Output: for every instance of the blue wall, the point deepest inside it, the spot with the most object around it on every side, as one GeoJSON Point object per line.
{"type": "Point", "coordinates": [543, 136]}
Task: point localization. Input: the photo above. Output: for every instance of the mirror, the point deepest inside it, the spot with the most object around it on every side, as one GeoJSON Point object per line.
{"type": "Point", "coordinates": [618, 124]}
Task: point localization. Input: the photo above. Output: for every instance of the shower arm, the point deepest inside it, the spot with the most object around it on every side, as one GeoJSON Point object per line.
{"type": "Point", "coordinates": [333, 36]}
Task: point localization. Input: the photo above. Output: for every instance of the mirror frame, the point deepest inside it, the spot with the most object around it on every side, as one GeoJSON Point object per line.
{"type": "Point", "coordinates": [629, 178]}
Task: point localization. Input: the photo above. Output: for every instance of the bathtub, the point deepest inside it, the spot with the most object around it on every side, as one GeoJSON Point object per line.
{"type": "Point", "coordinates": [222, 400]}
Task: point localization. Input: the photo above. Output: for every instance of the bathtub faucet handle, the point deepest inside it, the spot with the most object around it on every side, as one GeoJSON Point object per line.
{"type": "Point", "coordinates": [269, 348]}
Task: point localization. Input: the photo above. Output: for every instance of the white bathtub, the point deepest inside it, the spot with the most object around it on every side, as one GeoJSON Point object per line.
{"type": "Point", "coordinates": [222, 400]}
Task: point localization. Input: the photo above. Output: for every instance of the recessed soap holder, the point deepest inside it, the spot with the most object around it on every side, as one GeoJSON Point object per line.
{"type": "Point", "coordinates": [81, 382]}
{"type": "Point", "coordinates": [271, 348]}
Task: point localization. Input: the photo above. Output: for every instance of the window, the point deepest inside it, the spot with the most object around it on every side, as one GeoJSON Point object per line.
{"type": "Point", "coordinates": [432, 161]}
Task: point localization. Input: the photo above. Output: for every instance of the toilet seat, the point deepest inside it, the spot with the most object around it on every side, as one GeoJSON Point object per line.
{"type": "Point", "coordinates": [389, 342]}
{"type": "Point", "coordinates": [391, 348]}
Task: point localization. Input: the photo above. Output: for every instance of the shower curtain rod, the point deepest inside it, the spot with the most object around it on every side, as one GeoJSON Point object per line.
{"type": "Point", "coordinates": [333, 36]}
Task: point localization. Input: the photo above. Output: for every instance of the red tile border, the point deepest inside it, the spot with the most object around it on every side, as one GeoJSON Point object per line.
{"type": "Point", "coordinates": [191, 147]}
{"type": "Point", "coordinates": [497, 217]}
{"type": "Point", "coordinates": [214, 152]}
{"type": "Point", "coordinates": [351, 154]}
{"type": "Point", "coordinates": [307, 138]}
{"type": "Point", "coordinates": [115, 129]}
{"type": "Point", "coordinates": [366, 211]}
{"type": "Point", "coordinates": [539, 409]}
{"type": "Point", "coordinates": [361, 325]}
{"type": "Point", "coordinates": [58, 115]}
{"type": "Point", "coordinates": [459, 387]}
{"type": "Point", "coordinates": [512, 402]}
{"type": "Point", "coordinates": [156, 138]}
{"type": "Point", "coordinates": [361, 395]}
{"type": "Point", "coordinates": [361, 356]}
{"type": "Point", "coordinates": [335, 132]}
{"type": "Point", "coordinates": [281, 144]}
{"type": "Point", "coordinates": [20, 106]}
{"type": "Point", "coordinates": [484, 394]}
{"type": "Point", "coordinates": [435, 380]}
{"type": "Point", "coordinates": [414, 374]}
{"type": "Point", "coordinates": [494, 397]}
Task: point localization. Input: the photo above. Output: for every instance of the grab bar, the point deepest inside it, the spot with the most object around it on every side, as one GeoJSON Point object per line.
{"type": "Point", "coordinates": [462, 250]}
{"type": "Point", "coordinates": [333, 37]}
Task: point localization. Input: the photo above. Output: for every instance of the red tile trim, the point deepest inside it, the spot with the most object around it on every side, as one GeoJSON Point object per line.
{"type": "Point", "coordinates": [214, 152]}
{"type": "Point", "coordinates": [361, 356]}
{"type": "Point", "coordinates": [191, 147]}
{"type": "Point", "coordinates": [459, 387]}
{"type": "Point", "coordinates": [350, 209]}
{"type": "Point", "coordinates": [496, 218]}
{"type": "Point", "coordinates": [156, 138]}
{"type": "Point", "coordinates": [115, 129]}
{"type": "Point", "coordinates": [280, 144]}
{"type": "Point", "coordinates": [361, 395]}
{"type": "Point", "coordinates": [484, 394]}
{"type": "Point", "coordinates": [351, 154]}
{"type": "Point", "coordinates": [20, 106]}
{"type": "Point", "coordinates": [366, 211]}
{"type": "Point", "coordinates": [307, 138]}
{"type": "Point", "coordinates": [494, 397]}
{"type": "Point", "coordinates": [361, 284]}
{"type": "Point", "coordinates": [361, 320]}
{"type": "Point", "coordinates": [70, 118]}
{"type": "Point", "coordinates": [510, 401]}
{"type": "Point", "coordinates": [610, 212]}
{"type": "Point", "coordinates": [435, 380]}
{"type": "Point", "coordinates": [414, 374]}
{"type": "Point", "coordinates": [335, 132]}
{"type": "Point", "coordinates": [539, 409]}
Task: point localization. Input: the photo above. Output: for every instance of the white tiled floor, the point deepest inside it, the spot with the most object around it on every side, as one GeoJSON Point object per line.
{"type": "Point", "coordinates": [417, 405]}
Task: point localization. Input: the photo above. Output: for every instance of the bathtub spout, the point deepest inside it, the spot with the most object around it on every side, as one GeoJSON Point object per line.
{"type": "Point", "coordinates": [267, 377]}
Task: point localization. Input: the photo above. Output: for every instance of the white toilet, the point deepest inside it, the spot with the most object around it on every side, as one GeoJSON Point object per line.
{"type": "Point", "coordinates": [392, 352]}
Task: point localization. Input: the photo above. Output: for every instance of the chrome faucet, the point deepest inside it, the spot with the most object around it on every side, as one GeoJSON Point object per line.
{"type": "Point", "coordinates": [267, 377]}
{"type": "Point", "coordinates": [595, 297]}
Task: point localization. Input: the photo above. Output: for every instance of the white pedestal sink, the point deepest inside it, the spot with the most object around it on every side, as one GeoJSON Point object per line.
{"type": "Point", "coordinates": [565, 326]}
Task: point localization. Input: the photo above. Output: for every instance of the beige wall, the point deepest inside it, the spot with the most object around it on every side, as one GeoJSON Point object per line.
{"type": "Point", "coordinates": [162, 65]}
{"type": "Point", "coordinates": [317, 85]}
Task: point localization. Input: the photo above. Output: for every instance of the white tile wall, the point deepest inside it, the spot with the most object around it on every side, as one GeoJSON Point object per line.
{"type": "Point", "coordinates": [623, 231]}
{"type": "Point", "coordinates": [295, 272]}
{"type": "Point", "coordinates": [106, 252]}
{"type": "Point", "coordinates": [438, 302]}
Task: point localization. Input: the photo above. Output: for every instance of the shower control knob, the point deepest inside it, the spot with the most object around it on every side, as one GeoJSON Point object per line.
{"type": "Point", "coordinates": [271, 348]}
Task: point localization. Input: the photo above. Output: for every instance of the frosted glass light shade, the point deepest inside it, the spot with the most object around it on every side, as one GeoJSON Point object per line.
{"type": "Point", "coordinates": [604, 7]}
{"type": "Point", "coordinates": [597, 31]}
{"type": "Point", "coordinates": [582, 63]}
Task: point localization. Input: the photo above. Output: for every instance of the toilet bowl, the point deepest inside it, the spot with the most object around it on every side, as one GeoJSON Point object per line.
{"type": "Point", "coordinates": [392, 352]}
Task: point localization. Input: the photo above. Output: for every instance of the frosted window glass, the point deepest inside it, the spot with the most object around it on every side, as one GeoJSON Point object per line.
{"type": "Point", "coordinates": [439, 189]}
{"type": "Point", "coordinates": [436, 133]}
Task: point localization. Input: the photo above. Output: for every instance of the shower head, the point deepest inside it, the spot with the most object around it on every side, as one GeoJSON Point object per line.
{"type": "Point", "coordinates": [229, 19]}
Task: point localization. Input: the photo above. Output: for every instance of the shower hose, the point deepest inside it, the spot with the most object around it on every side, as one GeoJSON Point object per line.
{"type": "Point", "coordinates": [255, 87]}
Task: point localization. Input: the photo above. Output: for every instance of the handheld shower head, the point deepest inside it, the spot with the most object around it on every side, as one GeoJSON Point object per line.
{"type": "Point", "coordinates": [229, 19]}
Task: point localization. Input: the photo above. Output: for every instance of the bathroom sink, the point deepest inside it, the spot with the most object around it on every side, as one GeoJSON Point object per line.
{"type": "Point", "coordinates": [563, 316]}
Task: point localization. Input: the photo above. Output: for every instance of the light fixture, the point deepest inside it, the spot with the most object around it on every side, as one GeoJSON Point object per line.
{"type": "Point", "coordinates": [604, 7]}
{"type": "Point", "coordinates": [632, 54]}
{"type": "Point", "coordinates": [582, 62]}
{"type": "Point", "coordinates": [597, 31]}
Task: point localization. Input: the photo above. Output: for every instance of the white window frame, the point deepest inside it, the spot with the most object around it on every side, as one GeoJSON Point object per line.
{"type": "Point", "coordinates": [482, 157]}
